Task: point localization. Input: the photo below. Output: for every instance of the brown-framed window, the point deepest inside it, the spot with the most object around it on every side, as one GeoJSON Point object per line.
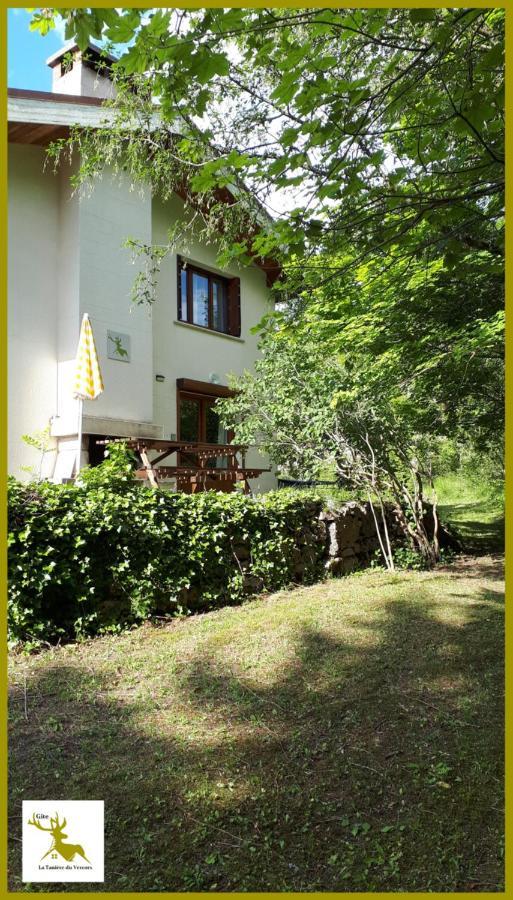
{"type": "Point", "coordinates": [208, 300]}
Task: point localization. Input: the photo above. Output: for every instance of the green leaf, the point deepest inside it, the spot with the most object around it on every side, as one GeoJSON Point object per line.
{"type": "Point", "coordinates": [210, 65]}
{"type": "Point", "coordinates": [422, 15]}
{"type": "Point", "coordinates": [286, 89]}
{"type": "Point", "coordinates": [288, 136]}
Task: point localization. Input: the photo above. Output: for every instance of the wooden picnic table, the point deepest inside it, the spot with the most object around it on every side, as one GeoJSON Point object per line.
{"type": "Point", "coordinates": [191, 475]}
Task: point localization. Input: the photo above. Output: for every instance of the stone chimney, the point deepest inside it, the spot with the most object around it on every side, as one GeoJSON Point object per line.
{"type": "Point", "coordinates": [82, 73]}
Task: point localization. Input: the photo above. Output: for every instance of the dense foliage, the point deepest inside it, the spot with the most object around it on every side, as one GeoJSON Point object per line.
{"type": "Point", "coordinates": [372, 142]}
{"type": "Point", "coordinates": [109, 552]}
{"type": "Point", "coordinates": [389, 122]}
{"type": "Point", "coordinates": [309, 410]}
{"type": "Point", "coordinates": [429, 336]}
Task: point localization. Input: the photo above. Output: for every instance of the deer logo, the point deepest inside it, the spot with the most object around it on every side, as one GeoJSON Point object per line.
{"type": "Point", "coordinates": [56, 829]}
{"type": "Point", "coordinates": [118, 346]}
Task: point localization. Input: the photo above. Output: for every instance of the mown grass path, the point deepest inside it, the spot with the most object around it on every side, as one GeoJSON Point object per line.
{"type": "Point", "coordinates": [474, 512]}
{"type": "Point", "coordinates": [345, 736]}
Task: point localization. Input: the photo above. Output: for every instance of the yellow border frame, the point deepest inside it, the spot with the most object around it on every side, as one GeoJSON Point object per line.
{"type": "Point", "coordinates": [364, 4]}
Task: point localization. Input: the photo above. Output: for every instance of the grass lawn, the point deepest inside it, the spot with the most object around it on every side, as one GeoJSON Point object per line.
{"type": "Point", "coordinates": [474, 513]}
{"type": "Point", "coordinates": [345, 736]}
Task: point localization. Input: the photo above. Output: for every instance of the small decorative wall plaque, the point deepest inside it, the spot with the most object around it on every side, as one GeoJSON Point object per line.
{"type": "Point", "coordinates": [118, 346]}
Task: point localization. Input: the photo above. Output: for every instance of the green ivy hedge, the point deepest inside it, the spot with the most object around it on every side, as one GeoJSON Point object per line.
{"type": "Point", "coordinates": [96, 557]}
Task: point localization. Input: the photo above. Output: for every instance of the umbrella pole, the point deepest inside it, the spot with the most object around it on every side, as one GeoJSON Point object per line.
{"type": "Point", "coordinates": [79, 441]}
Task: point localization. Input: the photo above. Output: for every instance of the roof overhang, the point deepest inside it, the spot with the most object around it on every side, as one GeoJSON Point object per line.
{"type": "Point", "coordinates": [37, 117]}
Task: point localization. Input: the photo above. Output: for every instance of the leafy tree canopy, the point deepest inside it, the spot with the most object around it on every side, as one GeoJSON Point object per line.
{"type": "Point", "coordinates": [432, 334]}
{"type": "Point", "coordinates": [376, 128]}
{"type": "Point", "coordinates": [372, 142]}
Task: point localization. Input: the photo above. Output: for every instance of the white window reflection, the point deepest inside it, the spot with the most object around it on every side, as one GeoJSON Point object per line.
{"type": "Point", "coordinates": [199, 300]}
{"type": "Point", "coordinates": [219, 306]}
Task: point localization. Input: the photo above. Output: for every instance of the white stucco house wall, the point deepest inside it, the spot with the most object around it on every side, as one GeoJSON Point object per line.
{"type": "Point", "coordinates": [66, 258]}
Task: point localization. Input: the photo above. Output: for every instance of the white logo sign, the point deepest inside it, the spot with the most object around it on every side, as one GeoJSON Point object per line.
{"type": "Point", "coordinates": [62, 840]}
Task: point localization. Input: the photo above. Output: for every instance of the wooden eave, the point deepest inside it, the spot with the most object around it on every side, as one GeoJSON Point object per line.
{"type": "Point", "coordinates": [34, 133]}
{"type": "Point", "coordinates": [204, 387]}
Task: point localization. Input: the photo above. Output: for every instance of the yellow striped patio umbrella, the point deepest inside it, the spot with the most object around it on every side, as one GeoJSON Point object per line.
{"type": "Point", "coordinates": [88, 383]}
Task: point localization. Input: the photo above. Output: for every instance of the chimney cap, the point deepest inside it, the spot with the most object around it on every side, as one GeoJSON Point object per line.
{"type": "Point", "coordinates": [92, 54]}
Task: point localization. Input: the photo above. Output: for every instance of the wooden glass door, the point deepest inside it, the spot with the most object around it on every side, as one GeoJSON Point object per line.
{"type": "Point", "coordinates": [198, 421]}
{"type": "Point", "coordinates": [189, 422]}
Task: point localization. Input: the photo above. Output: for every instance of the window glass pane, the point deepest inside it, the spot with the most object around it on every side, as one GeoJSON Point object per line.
{"type": "Point", "coordinates": [189, 420]}
{"type": "Point", "coordinates": [220, 306]}
{"type": "Point", "coordinates": [183, 299]}
{"type": "Point", "coordinates": [215, 434]}
{"type": "Point", "coordinates": [199, 299]}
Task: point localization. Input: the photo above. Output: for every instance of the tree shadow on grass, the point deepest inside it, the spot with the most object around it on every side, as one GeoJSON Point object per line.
{"type": "Point", "coordinates": [368, 764]}
{"type": "Point", "coordinates": [485, 568]}
{"type": "Point", "coordinates": [478, 530]}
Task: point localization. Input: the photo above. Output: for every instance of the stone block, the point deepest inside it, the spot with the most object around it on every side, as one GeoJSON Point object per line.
{"type": "Point", "coordinates": [334, 566]}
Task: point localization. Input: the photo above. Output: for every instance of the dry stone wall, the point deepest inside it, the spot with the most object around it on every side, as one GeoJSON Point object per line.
{"type": "Point", "coordinates": [333, 541]}
{"type": "Point", "coordinates": [344, 538]}
{"type": "Point", "coordinates": [351, 540]}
